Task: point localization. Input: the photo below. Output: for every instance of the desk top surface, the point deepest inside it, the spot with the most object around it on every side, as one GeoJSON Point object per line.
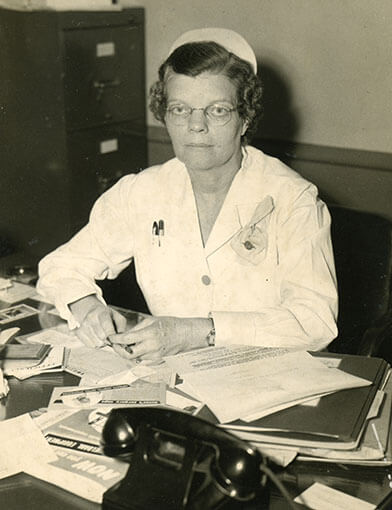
{"type": "Point", "coordinates": [369, 484]}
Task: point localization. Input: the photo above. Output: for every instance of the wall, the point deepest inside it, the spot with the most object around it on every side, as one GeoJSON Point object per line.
{"type": "Point", "coordinates": [327, 64]}
{"type": "Point", "coordinates": [327, 70]}
{"type": "Point", "coordinates": [356, 179]}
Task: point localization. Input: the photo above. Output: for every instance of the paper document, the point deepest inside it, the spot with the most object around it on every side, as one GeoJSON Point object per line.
{"type": "Point", "coordinates": [216, 357]}
{"type": "Point", "coordinates": [72, 424]}
{"type": "Point", "coordinates": [16, 292]}
{"type": "Point", "coordinates": [7, 334]}
{"type": "Point", "coordinates": [282, 457]}
{"type": "Point", "coordinates": [58, 335]}
{"type": "Point", "coordinates": [136, 394]}
{"type": "Point", "coordinates": [242, 389]}
{"type": "Point", "coordinates": [22, 445]}
{"type": "Point", "coordinates": [5, 283]}
{"type": "Point", "coordinates": [79, 467]}
{"type": "Point", "coordinates": [92, 365]}
{"type": "Point", "coordinates": [54, 362]}
{"type": "Point", "coordinates": [16, 312]}
{"type": "Point", "coordinates": [321, 497]}
{"type": "Point", "coordinates": [373, 447]}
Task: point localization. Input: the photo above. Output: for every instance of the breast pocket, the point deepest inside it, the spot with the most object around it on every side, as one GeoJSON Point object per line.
{"type": "Point", "coordinates": [251, 242]}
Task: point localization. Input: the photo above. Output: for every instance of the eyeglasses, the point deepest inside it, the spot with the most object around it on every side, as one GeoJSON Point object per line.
{"type": "Point", "coordinates": [217, 114]}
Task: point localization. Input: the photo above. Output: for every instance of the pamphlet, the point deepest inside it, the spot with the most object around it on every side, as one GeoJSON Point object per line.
{"type": "Point", "coordinates": [16, 312]}
{"type": "Point", "coordinates": [54, 362]}
{"type": "Point", "coordinates": [136, 394]}
{"type": "Point", "coordinates": [80, 466]}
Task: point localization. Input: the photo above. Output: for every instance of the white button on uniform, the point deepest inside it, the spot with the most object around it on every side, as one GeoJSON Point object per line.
{"type": "Point", "coordinates": [206, 279]}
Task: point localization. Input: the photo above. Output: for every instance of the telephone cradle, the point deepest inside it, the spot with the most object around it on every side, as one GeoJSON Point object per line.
{"type": "Point", "coordinates": [178, 461]}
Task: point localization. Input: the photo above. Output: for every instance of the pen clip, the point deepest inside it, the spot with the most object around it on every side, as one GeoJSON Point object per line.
{"type": "Point", "coordinates": [158, 231]}
{"type": "Point", "coordinates": [155, 231]}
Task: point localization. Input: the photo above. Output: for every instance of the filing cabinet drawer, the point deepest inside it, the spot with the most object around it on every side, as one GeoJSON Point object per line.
{"type": "Point", "coordinates": [98, 158]}
{"type": "Point", "coordinates": [103, 75]}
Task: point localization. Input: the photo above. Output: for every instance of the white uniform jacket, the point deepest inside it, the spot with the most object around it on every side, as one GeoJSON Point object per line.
{"type": "Point", "coordinates": [266, 274]}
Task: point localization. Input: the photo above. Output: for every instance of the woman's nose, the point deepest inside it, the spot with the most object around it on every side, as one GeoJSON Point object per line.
{"type": "Point", "coordinates": [197, 121]}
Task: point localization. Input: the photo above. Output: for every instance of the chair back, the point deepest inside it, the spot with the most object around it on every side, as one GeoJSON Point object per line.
{"type": "Point", "coordinates": [362, 244]}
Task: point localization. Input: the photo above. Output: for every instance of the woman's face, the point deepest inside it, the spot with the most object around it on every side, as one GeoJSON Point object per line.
{"type": "Point", "coordinates": [200, 144]}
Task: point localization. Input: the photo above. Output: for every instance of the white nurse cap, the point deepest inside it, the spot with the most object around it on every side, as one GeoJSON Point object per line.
{"type": "Point", "coordinates": [229, 39]}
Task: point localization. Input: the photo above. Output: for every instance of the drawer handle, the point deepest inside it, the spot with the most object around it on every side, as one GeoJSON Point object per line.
{"type": "Point", "coordinates": [104, 84]}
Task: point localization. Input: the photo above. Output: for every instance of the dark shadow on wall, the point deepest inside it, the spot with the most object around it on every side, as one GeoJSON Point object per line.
{"type": "Point", "coordinates": [279, 124]}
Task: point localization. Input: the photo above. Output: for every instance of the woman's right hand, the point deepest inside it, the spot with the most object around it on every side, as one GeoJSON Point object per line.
{"type": "Point", "coordinates": [97, 321]}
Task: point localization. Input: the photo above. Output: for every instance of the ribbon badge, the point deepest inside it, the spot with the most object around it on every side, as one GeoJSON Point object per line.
{"type": "Point", "coordinates": [251, 242]}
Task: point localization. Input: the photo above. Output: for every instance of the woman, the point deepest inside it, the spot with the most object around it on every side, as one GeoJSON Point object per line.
{"type": "Point", "coordinates": [230, 245]}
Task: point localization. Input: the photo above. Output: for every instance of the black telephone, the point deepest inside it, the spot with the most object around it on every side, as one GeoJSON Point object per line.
{"type": "Point", "coordinates": [178, 461]}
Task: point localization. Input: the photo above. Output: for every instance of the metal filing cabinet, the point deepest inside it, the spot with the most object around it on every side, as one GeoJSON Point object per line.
{"type": "Point", "coordinates": [72, 118]}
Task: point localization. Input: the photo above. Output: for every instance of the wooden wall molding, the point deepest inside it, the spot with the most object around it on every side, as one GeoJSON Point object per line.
{"type": "Point", "coordinates": [286, 150]}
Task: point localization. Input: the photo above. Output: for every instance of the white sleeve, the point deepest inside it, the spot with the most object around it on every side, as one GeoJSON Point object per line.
{"type": "Point", "coordinates": [102, 249]}
{"type": "Point", "coordinates": [307, 312]}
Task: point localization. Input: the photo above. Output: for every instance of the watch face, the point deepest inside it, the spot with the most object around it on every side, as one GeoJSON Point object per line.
{"type": "Point", "coordinates": [211, 338]}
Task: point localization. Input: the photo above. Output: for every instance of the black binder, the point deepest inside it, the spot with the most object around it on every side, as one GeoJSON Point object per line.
{"type": "Point", "coordinates": [336, 422]}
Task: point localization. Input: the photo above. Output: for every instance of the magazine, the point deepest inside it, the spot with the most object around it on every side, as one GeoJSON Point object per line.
{"type": "Point", "coordinates": [80, 467]}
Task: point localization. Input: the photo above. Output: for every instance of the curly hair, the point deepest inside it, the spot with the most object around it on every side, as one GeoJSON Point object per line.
{"type": "Point", "coordinates": [195, 58]}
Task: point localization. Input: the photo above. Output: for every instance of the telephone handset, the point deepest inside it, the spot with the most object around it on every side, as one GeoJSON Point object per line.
{"type": "Point", "coordinates": [177, 461]}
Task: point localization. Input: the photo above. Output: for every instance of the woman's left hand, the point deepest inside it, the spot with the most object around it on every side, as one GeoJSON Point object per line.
{"type": "Point", "coordinates": [156, 337]}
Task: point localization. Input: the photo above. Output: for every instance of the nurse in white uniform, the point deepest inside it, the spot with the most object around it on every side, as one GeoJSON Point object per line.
{"type": "Point", "coordinates": [230, 245]}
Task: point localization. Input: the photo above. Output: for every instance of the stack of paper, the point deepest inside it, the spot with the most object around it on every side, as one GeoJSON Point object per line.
{"type": "Point", "coordinates": [335, 420]}
{"type": "Point", "coordinates": [374, 447]}
{"type": "Point", "coordinates": [79, 466]}
{"type": "Point", "coordinates": [251, 382]}
{"type": "Point", "coordinates": [325, 406]}
{"type": "Point", "coordinates": [53, 362]}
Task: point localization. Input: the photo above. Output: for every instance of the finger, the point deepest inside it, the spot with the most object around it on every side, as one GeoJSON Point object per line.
{"type": "Point", "coordinates": [148, 321]}
{"type": "Point", "coordinates": [95, 325]}
{"type": "Point", "coordinates": [84, 337]}
{"type": "Point", "coordinates": [105, 327]}
{"type": "Point", "coordinates": [121, 351]}
{"type": "Point", "coordinates": [137, 334]}
{"type": "Point", "coordinates": [128, 338]}
{"type": "Point", "coordinates": [151, 356]}
{"type": "Point", "coordinates": [96, 332]}
{"type": "Point", "coordinates": [120, 321]}
{"type": "Point", "coordinates": [127, 351]}
{"type": "Point", "coordinates": [148, 349]}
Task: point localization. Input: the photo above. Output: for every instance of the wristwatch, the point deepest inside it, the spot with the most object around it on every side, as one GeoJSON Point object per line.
{"type": "Point", "coordinates": [211, 335]}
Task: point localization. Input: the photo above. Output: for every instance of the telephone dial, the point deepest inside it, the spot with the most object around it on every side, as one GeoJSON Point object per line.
{"type": "Point", "coordinates": [178, 461]}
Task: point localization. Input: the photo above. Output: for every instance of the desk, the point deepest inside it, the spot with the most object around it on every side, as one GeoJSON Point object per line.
{"type": "Point", "coordinates": [370, 484]}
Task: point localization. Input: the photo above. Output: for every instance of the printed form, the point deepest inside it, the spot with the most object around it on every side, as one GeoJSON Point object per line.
{"type": "Point", "coordinates": [249, 382]}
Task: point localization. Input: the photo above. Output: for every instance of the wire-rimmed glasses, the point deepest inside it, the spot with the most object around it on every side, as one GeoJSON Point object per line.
{"type": "Point", "coordinates": [218, 114]}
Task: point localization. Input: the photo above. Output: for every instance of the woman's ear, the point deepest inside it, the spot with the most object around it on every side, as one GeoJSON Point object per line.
{"type": "Point", "coordinates": [245, 126]}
